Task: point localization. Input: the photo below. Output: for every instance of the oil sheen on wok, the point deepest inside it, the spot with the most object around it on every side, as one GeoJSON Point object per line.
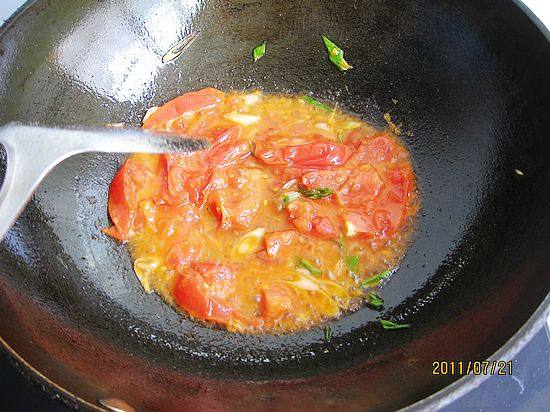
{"type": "Point", "coordinates": [278, 224]}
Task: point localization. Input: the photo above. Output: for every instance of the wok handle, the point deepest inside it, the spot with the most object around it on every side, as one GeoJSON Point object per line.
{"type": "Point", "coordinates": [33, 151]}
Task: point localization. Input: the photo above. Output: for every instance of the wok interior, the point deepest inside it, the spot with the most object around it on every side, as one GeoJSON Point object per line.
{"type": "Point", "coordinates": [470, 81]}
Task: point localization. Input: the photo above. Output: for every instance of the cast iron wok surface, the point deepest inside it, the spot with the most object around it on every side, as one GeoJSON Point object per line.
{"type": "Point", "coordinates": [471, 83]}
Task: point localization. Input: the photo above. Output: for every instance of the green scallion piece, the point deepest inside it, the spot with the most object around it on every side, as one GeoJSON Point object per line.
{"type": "Point", "coordinates": [316, 103]}
{"type": "Point", "coordinates": [375, 279]}
{"type": "Point", "coordinates": [290, 197]}
{"type": "Point", "coordinates": [311, 268]}
{"type": "Point", "coordinates": [353, 263]}
{"type": "Point", "coordinates": [336, 55]}
{"type": "Point", "coordinates": [375, 301]}
{"type": "Point", "coordinates": [389, 325]}
{"type": "Point", "coordinates": [316, 193]}
{"type": "Point", "coordinates": [328, 333]}
{"type": "Point", "coordinates": [258, 51]}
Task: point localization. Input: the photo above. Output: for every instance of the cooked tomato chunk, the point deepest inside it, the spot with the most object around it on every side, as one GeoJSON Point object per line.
{"type": "Point", "coordinates": [274, 241]}
{"type": "Point", "coordinates": [124, 196]}
{"type": "Point", "coordinates": [277, 302]}
{"type": "Point", "coordinates": [330, 179]}
{"type": "Point", "coordinates": [234, 197]}
{"type": "Point", "coordinates": [189, 102]}
{"type": "Point", "coordinates": [361, 188]}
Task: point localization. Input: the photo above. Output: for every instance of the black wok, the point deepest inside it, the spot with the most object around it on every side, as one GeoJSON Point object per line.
{"type": "Point", "coordinates": [471, 81]}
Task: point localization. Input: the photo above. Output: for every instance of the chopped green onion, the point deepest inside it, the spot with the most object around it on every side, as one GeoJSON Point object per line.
{"type": "Point", "coordinates": [311, 268]}
{"type": "Point", "coordinates": [290, 197]}
{"type": "Point", "coordinates": [375, 301]}
{"type": "Point", "coordinates": [353, 263]}
{"type": "Point", "coordinates": [258, 52]}
{"type": "Point", "coordinates": [316, 103]}
{"type": "Point", "coordinates": [316, 193]}
{"type": "Point", "coordinates": [389, 325]}
{"type": "Point", "coordinates": [377, 278]}
{"type": "Point", "coordinates": [336, 55]}
{"type": "Point", "coordinates": [328, 333]}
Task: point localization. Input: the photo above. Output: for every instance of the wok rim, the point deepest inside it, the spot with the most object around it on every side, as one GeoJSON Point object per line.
{"type": "Point", "coordinates": [443, 397]}
{"type": "Point", "coordinates": [435, 401]}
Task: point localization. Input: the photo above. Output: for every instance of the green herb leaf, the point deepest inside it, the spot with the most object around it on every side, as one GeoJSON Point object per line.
{"type": "Point", "coordinates": [306, 264]}
{"type": "Point", "coordinates": [316, 193]}
{"type": "Point", "coordinates": [336, 55]}
{"type": "Point", "coordinates": [375, 279]}
{"type": "Point", "coordinates": [389, 325]}
{"type": "Point", "coordinates": [316, 103]}
{"type": "Point", "coordinates": [290, 197]}
{"type": "Point", "coordinates": [328, 333]}
{"type": "Point", "coordinates": [341, 244]}
{"type": "Point", "coordinates": [375, 301]}
{"type": "Point", "coordinates": [353, 263]}
{"type": "Point", "coordinates": [258, 51]}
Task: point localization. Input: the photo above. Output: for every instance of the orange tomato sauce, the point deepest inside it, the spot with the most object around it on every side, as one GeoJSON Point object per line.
{"type": "Point", "coordinates": [277, 225]}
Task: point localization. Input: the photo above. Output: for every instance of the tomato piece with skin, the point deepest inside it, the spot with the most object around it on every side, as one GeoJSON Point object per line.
{"type": "Point", "coordinates": [316, 154]}
{"type": "Point", "coordinates": [191, 294]}
{"type": "Point", "coordinates": [305, 217]}
{"type": "Point", "coordinates": [356, 136]}
{"type": "Point", "coordinates": [330, 179]}
{"type": "Point", "coordinates": [376, 149]}
{"type": "Point", "coordinates": [324, 227]}
{"type": "Point", "coordinates": [360, 225]}
{"type": "Point", "coordinates": [228, 153]}
{"type": "Point", "coordinates": [186, 176]}
{"type": "Point", "coordinates": [182, 254]}
{"type": "Point", "coordinates": [276, 302]}
{"type": "Point", "coordinates": [234, 197]}
{"type": "Point", "coordinates": [274, 241]}
{"type": "Point", "coordinates": [389, 210]}
{"type": "Point", "coordinates": [123, 200]}
{"type": "Point", "coordinates": [361, 189]}
{"type": "Point", "coordinates": [301, 213]}
{"type": "Point", "coordinates": [400, 180]}
{"type": "Point", "coordinates": [188, 102]}
{"type": "Point", "coordinates": [202, 290]}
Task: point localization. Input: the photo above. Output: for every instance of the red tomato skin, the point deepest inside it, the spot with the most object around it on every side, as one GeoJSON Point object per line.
{"type": "Point", "coordinates": [324, 227]}
{"type": "Point", "coordinates": [122, 202]}
{"type": "Point", "coordinates": [274, 241]}
{"type": "Point", "coordinates": [185, 178]}
{"type": "Point", "coordinates": [331, 179]}
{"type": "Point", "coordinates": [378, 148]}
{"type": "Point", "coordinates": [305, 217]}
{"type": "Point", "coordinates": [233, 198]}
{"type": "Point", "coordinates": [276, 302]}
{"type": "Point", "coordinates": [361, 189]}
{"type": "Point", "coordinates": [201, 290]}
{"type": "Point", "coordinates": [190, 295]}
{"type": "Point", "coordinates": [300, 214]}
{"type": "Point", "coordinates": [398, 195]}
{"type": "Point", "coordinates": [192, 101]}
{"type": "Point", "coordinates": [314, 155]}
{"type": "Point", "coordinates": [362, 223]}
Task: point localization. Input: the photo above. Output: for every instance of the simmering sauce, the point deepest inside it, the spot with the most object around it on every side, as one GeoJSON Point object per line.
{"type": "Point", "coordinates": [280, 225]}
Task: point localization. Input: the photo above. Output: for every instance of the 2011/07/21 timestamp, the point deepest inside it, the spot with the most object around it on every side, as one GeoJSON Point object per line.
{"type": "Point", "coordinates": [472, 367]}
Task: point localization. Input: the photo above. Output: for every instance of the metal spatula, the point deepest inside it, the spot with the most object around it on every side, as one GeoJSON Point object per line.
{"type": "Point", "coordinates": [33, 151]}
